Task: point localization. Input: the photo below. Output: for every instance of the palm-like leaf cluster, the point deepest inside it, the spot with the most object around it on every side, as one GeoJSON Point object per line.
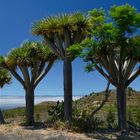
{"type": "Point", "coordinates": [28, 54]}
{"type": "Point", "coordinates": [58, 24]}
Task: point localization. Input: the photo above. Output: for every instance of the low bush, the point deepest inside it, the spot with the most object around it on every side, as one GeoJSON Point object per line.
{"type": "Point", "coordinates": [110, 119]}
{"type": "Point", "coordinates": [56, 112]}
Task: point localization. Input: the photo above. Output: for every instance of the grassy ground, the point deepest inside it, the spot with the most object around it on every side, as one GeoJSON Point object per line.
{"type": "Point", "coordinates": [18, 114]}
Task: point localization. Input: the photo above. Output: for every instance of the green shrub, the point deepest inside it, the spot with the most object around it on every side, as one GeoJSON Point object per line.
{"type": "Point", "coordinates": [129, 115]}
{"type": "Point", "coordinates": [138, 117]}
{"type": "Point", "coordinates": [110, 119]}
{"type": "Point", "coordinates": [13, 113]}
{"type": "Point", "coordinates": [56, 112]}
{"type": "Point", "coordinates": [59, 125]}
{"type": "Point", "coordinates": [85, 123]}
{"type": "Point", "coordinates": [38, 117]}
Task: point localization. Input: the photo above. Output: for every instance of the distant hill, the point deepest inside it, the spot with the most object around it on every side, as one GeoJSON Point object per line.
{"type": "Point", "coordinates": [94, 99]}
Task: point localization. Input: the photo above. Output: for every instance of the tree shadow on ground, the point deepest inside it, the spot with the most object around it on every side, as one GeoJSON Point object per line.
{"type": "Point", "coordinates": [113, 135]}
{"type": "Point", "coordinates": [129, 136]}
{"type": "Point", "coordinates": [37, 125]}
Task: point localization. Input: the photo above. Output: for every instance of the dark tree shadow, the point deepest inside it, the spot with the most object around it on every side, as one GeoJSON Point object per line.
{"type": "Point", "coordinates": [37, 125]}
{"type": "Point", "coordinates": [114, 134]}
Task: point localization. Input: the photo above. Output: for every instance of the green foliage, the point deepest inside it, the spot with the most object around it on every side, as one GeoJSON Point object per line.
{"type": "Point", "coordinates": [5, 77]}
{"type": "Point", "coordinates": [82, 121]}
{"type": "Point", "coordinates": [138, 117]}
{"type": "Point", "coordinates": [125, 17]}
{"type": "Point", "coordinates": [130, 115]}
{"type": "Point", "coordinates": [96, 16]}
{"type": "Point", "coordinates": [110, 119]}
{"type": "Point", "coordinates": [57, 24]}
{"type": "Point", "coordinates": [62, 31]}
{"type": "Point", "coordinates": [56, 112]}
{"type": "Point", "coordinates": [58, 124]}
{"type": "Point", "coordinates": [90, 67]}
{"type": "Point", "coordinates": [28, 54]}
{"type": "Point", "coordinates": [1, 60]}
{"type": "Point", "coordinates": [13, 113]}
{"type": "Point", "coordinates": [110, 34]}
{"type": "Point", "coordinates": [74, 51]}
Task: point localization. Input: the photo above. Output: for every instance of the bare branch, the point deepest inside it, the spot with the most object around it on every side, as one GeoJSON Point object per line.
{"type": "Point", "coordinates": [112, 65]}
{"type": "Point", "coordinates": [105, 75]}
{"type": "Point", "coordinates": [107, 92]}
{"type": "Point", "coordinates": [106, 64]}
{"type": "Point", "coordinates": [43, 73]}
{"type": "Point", "coordinates": [17, 76]}
{"type": "Point", "coordinates": [25, 73]}
{"type": "Point", "coordinates": [59, 45]}
{"type": "Point", "coordinates": [78, 36]}
{"type": "Point", "coordinates": [133, 76]}
{"type": "Point", "coordinates": [34, 72]}
{"type": "Point", "coordinates": [52, 46]}
{"type": "Point", "coordinates": [67, 39]}
{"type": "Point", "coordinates": [41, 67]}
{"type": "Point", "coordinates": [128, 69]}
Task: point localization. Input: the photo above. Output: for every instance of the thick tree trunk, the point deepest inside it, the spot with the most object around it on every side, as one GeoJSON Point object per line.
{"type": "Point", "coordinates": [1, 117]}
{"type": "Point", "coordinates": [121, 106]}
{"type": "Point", "coordinates": [67, 89]}
{"type": "Point", "coordinates": [30, 106]}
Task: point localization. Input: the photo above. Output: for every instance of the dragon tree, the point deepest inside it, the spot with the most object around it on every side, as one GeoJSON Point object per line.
{"type": "Point", "coordinates": [29, 64]}
{"type": "Point", "coordinates": [59, 33]}
{"type": "Point", "coordinates": [113, 49]}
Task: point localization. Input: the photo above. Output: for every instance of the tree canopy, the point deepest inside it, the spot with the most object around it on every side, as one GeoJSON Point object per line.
{"type": "Point", "coordinates": [112, 37]}
{"type": "Point", "coordinates": [29, 56]}
{"type": "Point", "coordinates": [62, 31]}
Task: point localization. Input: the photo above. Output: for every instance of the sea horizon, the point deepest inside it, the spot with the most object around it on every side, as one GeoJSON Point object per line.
{"type": "Point", "coordinates": [14, 101]}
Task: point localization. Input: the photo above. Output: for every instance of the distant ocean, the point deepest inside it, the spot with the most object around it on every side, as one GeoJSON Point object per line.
{"type": "Point", "coordinates": [9, 102]}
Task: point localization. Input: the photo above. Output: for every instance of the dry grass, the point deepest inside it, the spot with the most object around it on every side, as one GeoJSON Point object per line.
{"type": "Point", "coordinates": [17, 131]}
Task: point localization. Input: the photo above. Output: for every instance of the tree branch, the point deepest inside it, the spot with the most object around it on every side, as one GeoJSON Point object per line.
{"type": "Point", "coordinates": [106, 64]}
{"type": "Point", "coordinates": [67, 39]}
{"type": "Point", "coordinates": [107, 92]}
{"type": "Point", "coordinates": [52, 46]}
{"type": "Point", "coordinates": [78, 36]}
{"type": "Point", "coordinates": [34, 72]}
{"type": "Point", "coordinates": [43, 73]}
{"type": "Point", "coordinates": [25, 73]}
{"type": "Point", "coordinates": [41, 67]}
{"type": "Point", "coordinates": [16, 75]}
{"type": "Point", "coordinates": [128, 70]}
{"type": "Point", "coordinates": [59, 45]}
{"type": "Point", "coordinates": [113, 66]}
{"type": "Point", "coordinates": [133, 76]}
{"type": "Point", "coordinates": [105, 75]}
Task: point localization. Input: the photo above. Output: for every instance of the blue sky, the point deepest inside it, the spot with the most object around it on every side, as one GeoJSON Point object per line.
{"type": "Point", "coordinates": [16, 19]}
